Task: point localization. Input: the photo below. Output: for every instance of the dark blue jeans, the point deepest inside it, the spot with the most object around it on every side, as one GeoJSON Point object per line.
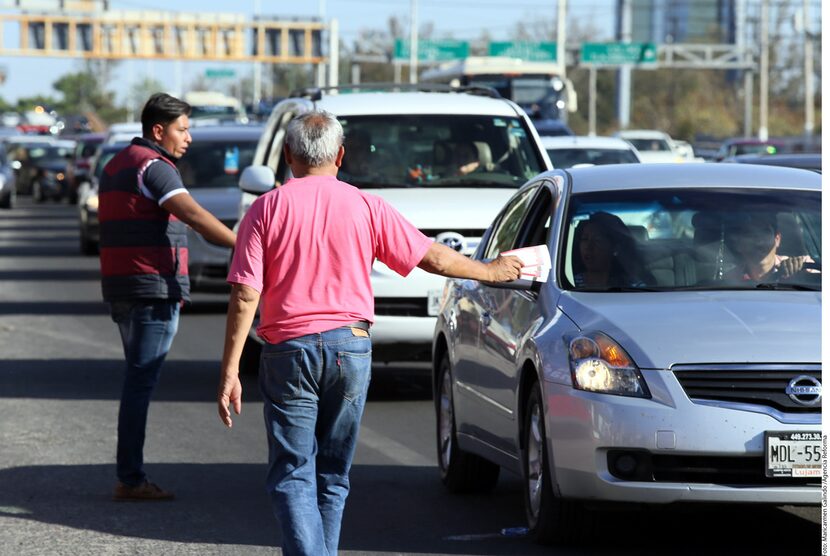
{"type": "Point", "coordinates": [147, 329]}
{"type": "Point", "coordinates": [314, 388]}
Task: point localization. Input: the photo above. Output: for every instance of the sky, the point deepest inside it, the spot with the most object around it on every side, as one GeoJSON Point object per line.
{"type": "Point", "coordinates": [462, 19]}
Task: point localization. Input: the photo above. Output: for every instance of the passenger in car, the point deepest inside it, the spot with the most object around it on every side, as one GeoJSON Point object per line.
{"type": "Point", "coordinates": [605, 254]}
{"type": "Point", "coordinates": [755, 239]}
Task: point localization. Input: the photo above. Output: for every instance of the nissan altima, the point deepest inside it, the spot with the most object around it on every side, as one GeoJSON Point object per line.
{"type": "Point", "coordinates": [672, 353]}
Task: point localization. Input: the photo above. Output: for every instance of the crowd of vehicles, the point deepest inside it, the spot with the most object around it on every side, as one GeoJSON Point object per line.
{"type": "Point", "coordinates": [680, 378]}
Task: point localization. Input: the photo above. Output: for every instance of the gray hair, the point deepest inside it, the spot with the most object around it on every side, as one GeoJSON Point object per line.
{"type": "Point", "coordinates": [314, 138]}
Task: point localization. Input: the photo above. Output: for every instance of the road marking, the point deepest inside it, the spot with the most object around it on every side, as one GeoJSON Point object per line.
{"type": "Point", "coordinates": [392, 449]}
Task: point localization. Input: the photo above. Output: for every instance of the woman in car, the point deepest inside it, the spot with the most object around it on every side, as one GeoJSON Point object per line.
{"type": "Point", "coordinates": [605, 254]}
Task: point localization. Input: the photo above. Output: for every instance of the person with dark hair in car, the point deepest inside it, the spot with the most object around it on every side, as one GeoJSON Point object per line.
{"type": "Point", "coordinates": [605, 254]}
{"type": "Point", "coordinates": [754, 239]}
{"type": "Point", "coordinates": [143, 212]}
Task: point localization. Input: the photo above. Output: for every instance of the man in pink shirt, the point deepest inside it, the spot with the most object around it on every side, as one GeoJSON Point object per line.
{"type": "Point", "coordinates": [306, 249]}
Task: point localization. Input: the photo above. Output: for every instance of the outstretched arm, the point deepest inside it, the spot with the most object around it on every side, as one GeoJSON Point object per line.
{"type": "Point", "coordinates": [241, 310]}
{"type": "Point", "coordinates": [442, 260]}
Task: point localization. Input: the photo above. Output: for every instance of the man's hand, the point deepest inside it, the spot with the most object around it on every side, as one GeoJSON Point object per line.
{"type": "Point", "coordinates": [791, 266]}
{"type": "Point", "coordinates": [230, 394]}
{"type": "Point", "coordinates": [504, 269]}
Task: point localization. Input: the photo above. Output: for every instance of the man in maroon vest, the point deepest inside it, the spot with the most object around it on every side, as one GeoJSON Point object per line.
{"type": "Point", "coordinates": [144, 211]}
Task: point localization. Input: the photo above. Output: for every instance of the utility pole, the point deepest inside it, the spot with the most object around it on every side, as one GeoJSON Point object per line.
{"type": "Point", "coordinates": [624, 75]}
{"type": "Point", "coordinates": [321, 67]}
{"type": "Point", "coordinates": [808, 77]}
{"type": "Point", "coordinates": [561, 38]}
{"type": "Point", "coordinates": [413, 41]}
{"type": "Point", "coordinates": [334, 53]}
{"type": "Point", "coordinates": [257, 66]}
{"type": "Point", "coordinates": [741, 30]}
{"type": "Point", "coordinates": [763, 108]}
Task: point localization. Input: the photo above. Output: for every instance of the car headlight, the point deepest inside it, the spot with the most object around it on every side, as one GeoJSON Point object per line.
{"type": "Point", "coordinates": [599, 364]}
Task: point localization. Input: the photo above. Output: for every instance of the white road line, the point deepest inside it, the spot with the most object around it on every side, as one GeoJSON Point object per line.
{"type": "Point", "coordinates": [394, 450]}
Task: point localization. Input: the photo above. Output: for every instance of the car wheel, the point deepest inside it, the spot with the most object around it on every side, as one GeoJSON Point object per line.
{"type": "Point", "coordinates": [8, 202]}
{"type": "Point", "coordinates": [249, 361]}
{"type": "Point", "coordinates": [460, 471]}
{"type": "Point", "coordinates": [550, 518]}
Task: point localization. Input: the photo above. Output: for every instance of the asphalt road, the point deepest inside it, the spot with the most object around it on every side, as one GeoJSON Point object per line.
{"type": "Point", "coordinates": [60, 369]}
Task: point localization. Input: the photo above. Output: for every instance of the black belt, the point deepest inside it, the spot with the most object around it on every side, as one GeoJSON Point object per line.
{"type": "Point", "coordinates": [361, 324]}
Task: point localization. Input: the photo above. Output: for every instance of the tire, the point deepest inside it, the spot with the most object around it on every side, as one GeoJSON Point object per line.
{"type": "Point", "coordinates": [249, 361]}
{"type": "Point", "coordinates": [550, 519]}
{"type": "Point", "coordinates": [461, 472]}
{"type": "Point", "coordinates": [9, 201]}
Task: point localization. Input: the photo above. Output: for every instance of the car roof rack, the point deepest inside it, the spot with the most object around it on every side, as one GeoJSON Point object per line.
{"type": "Point", "coordinates": [316, 93]}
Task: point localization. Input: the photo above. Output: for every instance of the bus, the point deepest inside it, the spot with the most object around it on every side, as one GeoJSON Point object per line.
{"type": "Point", "coordinates": [535, 86]}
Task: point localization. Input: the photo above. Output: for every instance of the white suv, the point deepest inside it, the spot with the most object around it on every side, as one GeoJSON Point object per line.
{"type": "Point", "coordinates": [446, 160]}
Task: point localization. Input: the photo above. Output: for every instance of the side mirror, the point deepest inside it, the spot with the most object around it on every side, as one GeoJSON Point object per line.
{"type": "Point", "coordinates": [257, 180]}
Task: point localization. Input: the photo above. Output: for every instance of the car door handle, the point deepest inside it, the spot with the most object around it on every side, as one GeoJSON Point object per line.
{"type": "Point", "coordinates": [485, 319]}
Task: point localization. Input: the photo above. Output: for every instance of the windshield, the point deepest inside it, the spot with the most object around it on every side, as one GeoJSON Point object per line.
{"type": "Point", "coordinates": [537, 95]}
{"type": "Point", "coordinates": [649, 144]}
{"type": "Point", "coordinates": [565, 158]}
{"type": "Point", "coordinates": [437, 151]}
{"type": "Point", "coordinates": [216, 163]}
{"type": "Point", "coordinates": [693, 239]}
{"type": "Point", "coordinates": [221, 112]}
{"type": "Point", "coordinates": [757, 148]}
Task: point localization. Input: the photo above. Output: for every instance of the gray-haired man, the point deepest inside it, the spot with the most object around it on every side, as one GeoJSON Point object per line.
{"type": "Point", "coordinates": [307, 249]}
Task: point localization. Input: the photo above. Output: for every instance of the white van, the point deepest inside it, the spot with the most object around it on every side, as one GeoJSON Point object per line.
{"type": "Point", "coordinates": [410, 144]}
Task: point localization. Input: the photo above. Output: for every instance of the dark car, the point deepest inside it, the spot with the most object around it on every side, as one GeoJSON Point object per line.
{"type": "Point", "coordinates": [47, 166]}
{"type": "Point", "coordinates": [736, 147]}
{"type": "Point", "coordinates": [210, 171]}
{"type": "Point", "coordinates": [552, 128]}
{"type": "Point", "coordinates": [79, 169]}
{"type": "Point", "coordinates": [805, 161]}
{"type": "Point", "coordinates": [8, 187]}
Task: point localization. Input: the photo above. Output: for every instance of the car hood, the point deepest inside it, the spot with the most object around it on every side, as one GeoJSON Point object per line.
{"type": "Point", "coordinates": [662, 329]}
{"type": "Point", "coordinates": [221, 202]}
{"type": "Point", "coordinates": [447, 208]}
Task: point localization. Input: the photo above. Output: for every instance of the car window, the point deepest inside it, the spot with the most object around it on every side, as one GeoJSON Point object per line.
{"type": "Point", "coordinates": [437, 151]}
{"type": "Point", "coordinates": [649, 144]}
{"type": "Point", "coordinates": [565, 158]}
{"type": "Point", "coordinates": [507, 227]}
{"type": "Point", "coordinates": [216, 163]}
{"type": "Point", "coordinates": [536, 227]}
{"type": "Point", "coordinates": [692, 238]}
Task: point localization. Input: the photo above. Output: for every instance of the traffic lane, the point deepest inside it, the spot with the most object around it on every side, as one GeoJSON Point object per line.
{"type": "Point", "coordinates": [60, 398]}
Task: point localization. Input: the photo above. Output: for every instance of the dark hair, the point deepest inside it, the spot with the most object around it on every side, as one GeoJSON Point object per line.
{"type": "Point", "coordinates": [626, 264]}
{"type": "Point", "coordinates": [162, 108]}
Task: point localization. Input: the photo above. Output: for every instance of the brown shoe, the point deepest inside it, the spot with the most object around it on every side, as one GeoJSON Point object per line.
{"type": "Point", "coordinates": [146, 491]}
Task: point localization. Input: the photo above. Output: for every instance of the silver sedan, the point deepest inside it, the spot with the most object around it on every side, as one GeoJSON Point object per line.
{"type": "Point", "coordinates": [672, 353]}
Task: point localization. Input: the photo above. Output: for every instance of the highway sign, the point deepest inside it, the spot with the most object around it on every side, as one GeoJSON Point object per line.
{"type": "Point", "coordinates": [220, 73]}
{"type": "Point", "coordinates": [433, 50]}
{"type": "Point", "coordinates": [531, 51]}
{"type": "Point", "coordinates": [618, 53]}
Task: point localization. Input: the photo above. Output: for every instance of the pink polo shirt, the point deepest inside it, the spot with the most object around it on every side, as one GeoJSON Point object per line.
{"type": "Point", "coordinates": [308, 248]}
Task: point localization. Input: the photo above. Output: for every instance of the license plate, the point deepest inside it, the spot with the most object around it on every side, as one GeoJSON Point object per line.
{"type": "Point", "coordinates": [793, 454]}
{"type": "Point", "coordinates": [434, 301]}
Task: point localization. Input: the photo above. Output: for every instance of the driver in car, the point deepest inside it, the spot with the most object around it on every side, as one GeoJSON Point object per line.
{"type": "Point", "coordinates": [754, 239]}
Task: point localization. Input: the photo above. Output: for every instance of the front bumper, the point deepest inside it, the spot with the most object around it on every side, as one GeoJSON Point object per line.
{"type": "Point", "coordinates": [207, 263]}
{"type": "Point", "coordinates": [584, 427]}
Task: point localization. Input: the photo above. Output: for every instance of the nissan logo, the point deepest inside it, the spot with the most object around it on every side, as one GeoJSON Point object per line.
{"type": "Point", "coordinates": [453, 240]}
{"type": "Point", "coordinates": [804, 390]}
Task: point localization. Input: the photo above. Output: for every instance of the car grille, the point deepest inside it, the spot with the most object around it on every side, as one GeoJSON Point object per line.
{"type": "Point", "coordinates": [401, 306]}
{"type": "Point", "coordinates": [764, 386]}
{"type": "Point", "coordinates": [718, 470]}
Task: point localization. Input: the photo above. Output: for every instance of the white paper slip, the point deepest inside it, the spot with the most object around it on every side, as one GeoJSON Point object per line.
{"type": "Point", "coordinates": [535, 262]}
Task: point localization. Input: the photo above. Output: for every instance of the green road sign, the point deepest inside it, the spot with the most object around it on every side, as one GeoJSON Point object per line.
{"type": "Point", "coordinates": [531, 51]}
{"type": "Point", "coordinates": [220, 73]}
{"type": "Point", "coordinates": [618, 53]}
{"type": "Point", "coordinates": [433, 50]}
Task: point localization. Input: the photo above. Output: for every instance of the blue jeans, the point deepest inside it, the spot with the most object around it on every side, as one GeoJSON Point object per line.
{"type": "Point", "coordinates": [314, 388]}
{"type": "Point", "coordinates": [147, 329]}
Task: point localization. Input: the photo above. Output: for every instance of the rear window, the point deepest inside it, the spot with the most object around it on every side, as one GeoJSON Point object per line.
{"type": "Point", "coordinates": [565, 158]}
